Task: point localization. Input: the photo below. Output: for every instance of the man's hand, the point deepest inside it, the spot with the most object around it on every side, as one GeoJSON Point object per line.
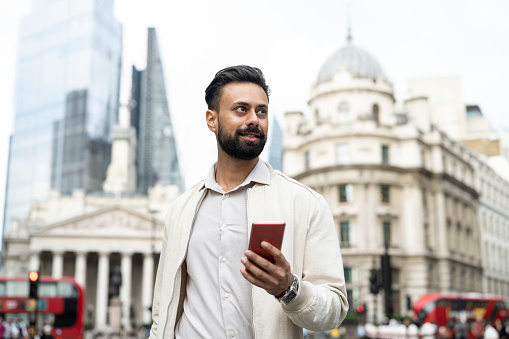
{"type": "Point", "coordinates": [274, 278]}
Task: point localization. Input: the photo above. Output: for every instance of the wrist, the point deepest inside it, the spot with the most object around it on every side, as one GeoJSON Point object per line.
{"type": "Point", "coordinates": [280, 295]}
{"type": "Point", "coordinates": [290, 293]}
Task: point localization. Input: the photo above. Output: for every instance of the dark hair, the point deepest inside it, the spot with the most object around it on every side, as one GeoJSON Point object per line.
{"type": "Point", "coordinates": [227, 75]}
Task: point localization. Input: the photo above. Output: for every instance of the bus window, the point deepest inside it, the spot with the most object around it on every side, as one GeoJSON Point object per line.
{"type": "Point", "coordinates": [67, 290]}
{"type": "Point", "coordinates": [48, 289]}
{"type": "Point", "coordinates": [16, 288]}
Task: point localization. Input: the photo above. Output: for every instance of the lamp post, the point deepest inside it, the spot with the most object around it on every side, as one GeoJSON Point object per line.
{"type": "Point", "coordinates": [387, 279]}
{"type": "Point", "coordinates": [153, 232]}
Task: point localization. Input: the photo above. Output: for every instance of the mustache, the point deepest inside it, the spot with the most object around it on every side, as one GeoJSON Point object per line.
{"type": "Point", "coordinates": [250, 130]}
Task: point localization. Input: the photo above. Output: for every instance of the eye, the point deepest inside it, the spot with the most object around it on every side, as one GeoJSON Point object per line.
{"type": "Point", "coordinates": [262, 110]}
{"type": "Point", "coordinates": [241, 109]}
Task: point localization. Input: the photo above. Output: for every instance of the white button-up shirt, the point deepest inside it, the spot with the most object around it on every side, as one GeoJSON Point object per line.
{"type": "Point", "coordinates": [218, 298]}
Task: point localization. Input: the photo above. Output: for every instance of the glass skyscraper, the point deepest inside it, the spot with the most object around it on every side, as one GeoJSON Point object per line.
{"type": "Point", "coordinates": [156, 156]}
{"type": "Point", "coordinates": [66, 98]}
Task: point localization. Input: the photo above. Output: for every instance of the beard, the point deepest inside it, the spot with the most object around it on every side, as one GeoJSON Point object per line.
{"type": "Point", "coordinates": [241, 149]}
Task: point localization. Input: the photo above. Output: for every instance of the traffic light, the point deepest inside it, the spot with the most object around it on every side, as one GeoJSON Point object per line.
{"type": "Point", "coordinates": [374, 286]}
{"type": "Point", "coordinates": [33, 277]}
{"type": "Point", "coordinates": [361, 309]}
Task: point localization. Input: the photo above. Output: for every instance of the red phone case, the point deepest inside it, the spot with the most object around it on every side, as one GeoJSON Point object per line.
{"type": "Point", "coordinates": [269, 231]}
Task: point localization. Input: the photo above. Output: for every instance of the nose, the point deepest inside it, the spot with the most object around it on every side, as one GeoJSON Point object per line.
{"type": "Point", "coordinates": [252, 118]}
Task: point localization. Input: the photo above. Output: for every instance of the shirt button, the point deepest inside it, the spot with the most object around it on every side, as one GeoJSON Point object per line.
{"type": "Point", "coordinates": [232, 334]}
{"type": "Point", "coordinates": [226, 295]}
{"type": "Point", "coordinates": [227, 195]}
{"type": "Point", "coordinates": [225, 225]}
{"type": "Point", "coordinates": [223, 259]}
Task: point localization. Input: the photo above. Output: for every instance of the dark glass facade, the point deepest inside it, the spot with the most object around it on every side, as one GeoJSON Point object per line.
{"type": "Point", "coordinates": [156, 156]}
{"type": "Point", "coordinates": [66, 98]}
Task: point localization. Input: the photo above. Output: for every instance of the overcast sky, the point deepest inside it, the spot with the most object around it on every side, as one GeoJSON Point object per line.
{"type": "Point", "coordinates": [290, 41]}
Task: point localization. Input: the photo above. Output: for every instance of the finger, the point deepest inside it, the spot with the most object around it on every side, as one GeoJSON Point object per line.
{"type": "Point", "coordinates": [276, 253]}
{"type": "Point", "coordinates": [255, 270]}
{"type": "Point", "coordinates": [260, 261]}
{"type": "Point", "coordinates": [272, 275]}
{"type": "Point", "coordinates": [253, 279]}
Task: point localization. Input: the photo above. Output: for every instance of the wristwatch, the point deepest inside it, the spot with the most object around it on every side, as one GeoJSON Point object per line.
{"type": "Point", "coordinates": [291, 293]}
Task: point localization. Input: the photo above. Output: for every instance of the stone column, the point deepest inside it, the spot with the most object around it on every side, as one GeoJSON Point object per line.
{"type": "Point", "coordinates": [125, 289]}
{"type": "Point", "coordinates": [57, 267]}
{"type": "Point", "coordinates": [147, 286]}
{"type": "Point", "coordinates": [101, 303]}
{"type": "Point", "coordinates": [35, 261]}
{"type": "Point", "coordinates": [80, 270]}
{"type": "Point", "coordinates": [412, 221]}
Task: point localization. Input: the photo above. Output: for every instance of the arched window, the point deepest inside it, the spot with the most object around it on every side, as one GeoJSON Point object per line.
{"type": "Point", "coordinates": [376, 112]}
{"type": "Point", "coordinates": [317, 117]}
{"type": "Point", "coordinates": [344, 114]}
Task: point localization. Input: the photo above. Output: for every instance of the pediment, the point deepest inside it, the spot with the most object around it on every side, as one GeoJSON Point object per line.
{"type": "Point", "coordinates": [113, 221]}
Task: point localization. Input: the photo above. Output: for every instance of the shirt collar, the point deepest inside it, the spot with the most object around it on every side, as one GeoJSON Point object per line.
{"type": "Point", "coordinates": [259, 174]}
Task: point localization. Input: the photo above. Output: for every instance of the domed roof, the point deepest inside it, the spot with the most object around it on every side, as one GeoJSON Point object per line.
{"type": "Point", "coordinates": [352, 59]}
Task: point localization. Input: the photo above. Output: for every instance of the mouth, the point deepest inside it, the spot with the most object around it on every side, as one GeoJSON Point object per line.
{"type": "Point", "coordinates": [250, 136]}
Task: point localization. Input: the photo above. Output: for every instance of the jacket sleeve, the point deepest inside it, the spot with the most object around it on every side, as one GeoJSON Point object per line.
{"type": "Point", "coordinates": [157, 286]}
{"type": "Point", "coordinates": [321, 302]}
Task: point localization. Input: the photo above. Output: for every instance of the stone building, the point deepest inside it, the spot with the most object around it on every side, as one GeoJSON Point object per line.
{"type": "Point", "coordinates": [88, 236]}
{"type": "Point", "coordinates": [491, 167]}
{"type": "Point", "coordinates": [393, 177]}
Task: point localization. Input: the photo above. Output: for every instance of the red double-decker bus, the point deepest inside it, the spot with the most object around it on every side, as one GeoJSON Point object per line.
{"type": "Point", "coordinates": [60, 303]}
{"type": "Point", "coordinates": [450, 309]}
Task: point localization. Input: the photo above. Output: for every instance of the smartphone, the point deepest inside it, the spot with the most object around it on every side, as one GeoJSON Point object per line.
{"type": "Point", "coordinates": [269, 231]}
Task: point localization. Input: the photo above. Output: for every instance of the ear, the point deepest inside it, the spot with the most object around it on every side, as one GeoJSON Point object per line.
{"type": "Point", "coordinates": [211, 117]}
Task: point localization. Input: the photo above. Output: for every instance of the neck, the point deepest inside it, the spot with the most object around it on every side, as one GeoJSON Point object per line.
{"type": "Point", "coordinates": [231, 172]}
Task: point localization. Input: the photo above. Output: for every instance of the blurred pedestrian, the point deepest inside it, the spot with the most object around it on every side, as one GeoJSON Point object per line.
{"type": "Point", "coordinates": [460, 330]}
{"type": "Point", "coordinates": [46, 330]}
{"type": "Point", "coordinates": [504, 331]}
{"type": "Point", "coordinates": [207, 280]}
{"type": "Point", "coordinates": [7, 325]}
{"type": "Point", "coordinates": [478, 328]}
{"type": "Point", "coordinates": [361, 331]}
{"type": "Point", "coordinates": [490, 333]}
{"type": "Point", "coordinates": [20, 324]}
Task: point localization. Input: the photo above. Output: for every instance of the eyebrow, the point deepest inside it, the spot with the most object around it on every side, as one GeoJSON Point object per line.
{"type": "Point", "coordinates": [243, 103]}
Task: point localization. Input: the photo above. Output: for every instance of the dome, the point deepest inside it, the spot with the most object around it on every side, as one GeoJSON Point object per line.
{"type": "Point", "coordinates": [352, 59]}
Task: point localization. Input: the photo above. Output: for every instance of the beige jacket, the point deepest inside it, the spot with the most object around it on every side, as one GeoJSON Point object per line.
{"type": "Point", "coordinates": [310, 244]}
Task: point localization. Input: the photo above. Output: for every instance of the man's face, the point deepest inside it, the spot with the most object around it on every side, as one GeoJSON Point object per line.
{"type": "Point", "coordinates": [242, 120]}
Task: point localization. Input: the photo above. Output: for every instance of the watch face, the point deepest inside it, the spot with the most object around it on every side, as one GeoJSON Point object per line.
{"type": "Point", "coordinates": [289, 297]}
{"type": "Point", "coordinates": [291, 293]}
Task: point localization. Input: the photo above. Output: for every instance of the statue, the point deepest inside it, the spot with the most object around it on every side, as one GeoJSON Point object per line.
{"type": "Point", "coordinates": [116, 281]}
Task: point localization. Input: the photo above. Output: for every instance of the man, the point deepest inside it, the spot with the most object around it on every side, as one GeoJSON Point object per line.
{"type": "Point", "coordinates": [208, 284]}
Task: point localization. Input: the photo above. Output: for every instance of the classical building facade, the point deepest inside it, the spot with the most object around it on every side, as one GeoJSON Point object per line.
{"type": "Point", "coordinates": [393, 179]}
{"type": "Point", "coordinates": [88, 236]}
{"type": "Point", "coordinates": [469, 126]}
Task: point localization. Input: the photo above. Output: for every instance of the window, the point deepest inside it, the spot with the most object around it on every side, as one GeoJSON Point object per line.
{"type": "Point", "coordinates": [348, 275]}
{"type": "Point", "coordinates": [343, 154]}
{"type": "Point", "coordinates": [385, 155]}
{"type": "Point", "coordinates": [386, 226]}
{"type": "Point", "coordinates": [345, 193]}
{"type": "Point", "coordinates": [307, 160]}
{"type": "Point", "coordinates": [345, 232]}
{"type": "Point", "coordinates": [384, 193]}
{"type": "Point", "coordinates": [344, 114]}
{"type": "Point", "coordinates": [349, 297]}
{"type": "Point", "coordinates": [376, 113]}
{"type": "Point", "coordinates": [427, 237]}
{"type": "Point", "coordinates": [317, 117]}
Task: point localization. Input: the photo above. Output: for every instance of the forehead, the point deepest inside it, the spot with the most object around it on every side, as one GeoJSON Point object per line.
{"type": "Point", "coordinates": [243, 91]}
